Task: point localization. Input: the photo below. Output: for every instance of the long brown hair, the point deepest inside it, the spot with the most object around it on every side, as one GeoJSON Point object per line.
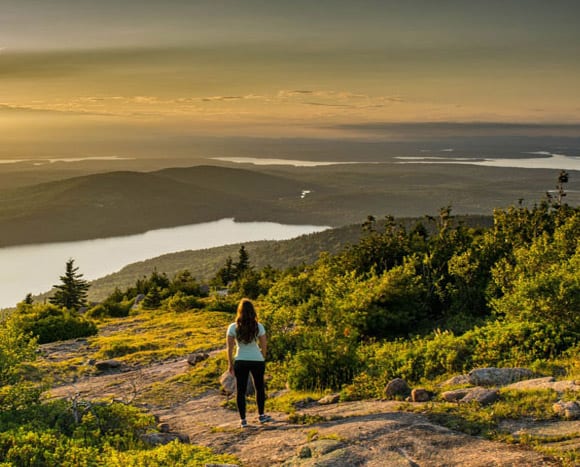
{"type": "Point", "coordinates": [246, 322]}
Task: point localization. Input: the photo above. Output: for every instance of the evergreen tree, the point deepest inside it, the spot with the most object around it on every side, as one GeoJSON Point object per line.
{"type": "Point", "coordinates": [243, 263]}
{"type": "Point", "coordinates": [72, 292]}
{"type": "Point", "coordinates": [226, 274]}
{"type": "Point", "coordinates": [28, 299]}
{"type": "Point", "coordinates": [153, 299]}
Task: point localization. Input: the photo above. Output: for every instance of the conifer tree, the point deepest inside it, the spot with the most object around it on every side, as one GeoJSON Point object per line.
{"type": "Point", "coordinates": [243, 263]}
{"type": "Point", "coordinates": [72, 292]}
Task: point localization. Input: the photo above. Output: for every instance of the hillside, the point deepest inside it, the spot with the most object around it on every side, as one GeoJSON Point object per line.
{"type": "Point", "coordinates": [125, 202]}
{"type": "Point", "coordinates": [121, 203]}
{"type": "Point", "coordinates": [190, 405]}
{"type": "Point", "coordinates": [203, 264]}
{"type": "Point", "coordinates": [428, 342]}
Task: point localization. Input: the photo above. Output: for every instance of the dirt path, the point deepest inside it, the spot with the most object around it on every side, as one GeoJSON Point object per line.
{"type": "Point", "coordinates": [370, 433]}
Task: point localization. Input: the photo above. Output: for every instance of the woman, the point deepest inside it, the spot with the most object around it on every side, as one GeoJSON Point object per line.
{"type": "Point", "coordinates": [249, 337]}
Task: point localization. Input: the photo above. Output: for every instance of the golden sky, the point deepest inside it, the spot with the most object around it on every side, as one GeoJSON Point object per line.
{"type": "Point", "coordinates": [72, 70]}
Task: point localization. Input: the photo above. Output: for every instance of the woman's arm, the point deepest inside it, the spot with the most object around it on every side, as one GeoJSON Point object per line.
{"type": "Point", "coordinates": [230, 342]}
{"type": "Point", "coordinates": [263, 344]}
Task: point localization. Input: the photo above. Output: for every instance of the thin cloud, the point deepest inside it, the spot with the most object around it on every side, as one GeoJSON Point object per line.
{"type": "Point", "coordinates": [8, 108]}
{"type": "Point", "coordinates": [321, 104]}
{"type": "Point", "coordinates": [462, 129]}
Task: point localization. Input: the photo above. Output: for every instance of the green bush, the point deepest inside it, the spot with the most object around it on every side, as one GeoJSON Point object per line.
{"type": "Point", "coordinates": [181, 302]}
{"type": "Point", "coordinates": [325, 367]}
{"type": "Point", "coordinates": [504, 343]}
{"type": "Point", "coordinates": [50, 324]}
{"type": "Point", "coordinates": [110, 309]}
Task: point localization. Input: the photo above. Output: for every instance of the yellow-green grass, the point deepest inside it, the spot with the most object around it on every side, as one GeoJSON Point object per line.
{"type": "Point", "coordinates": [155, 335]}
{"type": "Point", "coordinates": [147, 337]}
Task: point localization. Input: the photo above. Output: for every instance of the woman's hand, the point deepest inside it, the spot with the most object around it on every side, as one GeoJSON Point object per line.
{"type": "Point", "coordinates": [231, 368]}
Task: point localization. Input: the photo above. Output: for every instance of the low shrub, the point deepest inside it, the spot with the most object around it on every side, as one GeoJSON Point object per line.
{"type": "Point", "coordinates": [110, 310]}
{"type": "Point", "coordinates": [50, 323]}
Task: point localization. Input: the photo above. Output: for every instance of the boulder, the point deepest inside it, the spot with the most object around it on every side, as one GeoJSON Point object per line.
{"type": "Point", "coordinates": [570, 410]}
{"type": "Point", "coordinates": [481, 395]}
{"type": "Point", "coordinates": [228, 382]}
{"type": "Point", "coordinates": [330, 399]}
{"type": "Point", "coordinates": [455, 395]}
{"type": "Point", "coordinates": [164, 427]}
{"type": "Point", "coordinates": [421, 395]}
{"type": "Point", "coordinates": [397, 387]}
{"type": "Point", "coordinates": [305, 452]}
{"type": "Point", "coordinates": [106, 365]}
{"type": "Point", "coordinates": [458, 380]}
{"type": "Point", "coordinates": [197, 357]}
{"type": "Point", "coordinates": [498, 376]}
{"type": "Point", "coordinates": [547, 382]}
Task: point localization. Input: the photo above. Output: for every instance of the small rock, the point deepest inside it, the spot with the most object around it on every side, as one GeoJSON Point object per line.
{"type": "Point", "coordinates": [455, 395]}
{"type": "Point", "coordinates": [570, 410]}
{"type": "Point", "coordinates": [421, 395]}
{"type": "Point", "coordinates": [498, 376]}
{"type": "Point", "coordinates": [164, 427]}
{"type": "Point", "coordinates": [397, 387]}
{"type": "Point", "coordinates": [156, 439]}
{"type": "Point", "coordinates": [305, 453]}
{"type": "Point", "coordinates": [197, 357]}
{"type": "Point", "coordinates": [304, 403]}
{"type": "Point", "coordinates": [330, 399]}
{"type": "Point", "coordinates": [105, 365]}
{"type": "Point", "coordinates": [482, 395]}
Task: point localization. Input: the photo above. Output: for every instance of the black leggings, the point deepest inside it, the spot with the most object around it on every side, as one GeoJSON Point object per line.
{"type": "Point", "coordinates": [242, 370]}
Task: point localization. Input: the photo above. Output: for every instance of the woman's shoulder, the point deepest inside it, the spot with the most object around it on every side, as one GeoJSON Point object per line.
{"type": "Point", "coordinates": [232, 329]}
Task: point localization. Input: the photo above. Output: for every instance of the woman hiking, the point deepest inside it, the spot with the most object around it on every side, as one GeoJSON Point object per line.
{"type": "Point", "coordinates": [249, 337]}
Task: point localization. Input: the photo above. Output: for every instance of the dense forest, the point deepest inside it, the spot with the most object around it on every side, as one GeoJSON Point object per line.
{"type": "Point", "coordinates": [422, 302]}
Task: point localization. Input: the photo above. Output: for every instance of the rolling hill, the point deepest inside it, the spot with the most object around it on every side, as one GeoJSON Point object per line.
{"type": "Point", "coordinates": [127, 202]}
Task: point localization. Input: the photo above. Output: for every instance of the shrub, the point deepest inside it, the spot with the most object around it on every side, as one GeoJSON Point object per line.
{"type": "Point", "coordinates": [326, 366]}
{"type": "Point", "coordinates": [181, 302]}
{"type": "Point", "coordinates": [110, 309]}
{"type": "Point", "coordinates": [49, 323]}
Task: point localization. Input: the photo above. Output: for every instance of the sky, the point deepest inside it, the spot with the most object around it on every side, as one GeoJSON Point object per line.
{"type": "Point", "coordinates": [112, 71]}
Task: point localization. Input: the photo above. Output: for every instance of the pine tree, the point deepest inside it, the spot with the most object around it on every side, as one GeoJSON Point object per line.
{"type": "Point", "coordinates": [153, 299]}
{"type": "Point", "coordinates": [72, 292]}
{"type": "Point", "coordinates": [243, 263]}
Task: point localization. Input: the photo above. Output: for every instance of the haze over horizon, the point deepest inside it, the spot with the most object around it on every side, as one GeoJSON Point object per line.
{"type": "Point", "coordinates": [99, 78]}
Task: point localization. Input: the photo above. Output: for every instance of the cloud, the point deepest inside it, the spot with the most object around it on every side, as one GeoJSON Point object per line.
{"type": "Point", "coordinates": [464, 129]}
{"type": "Point", "coordinates": [15, 109]}
{"type": "Point", "coordinates": [321, 104]}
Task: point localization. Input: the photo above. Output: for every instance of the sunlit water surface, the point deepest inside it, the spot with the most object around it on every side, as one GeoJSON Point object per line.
{"type": "Point", "coordinates": [36, 268]}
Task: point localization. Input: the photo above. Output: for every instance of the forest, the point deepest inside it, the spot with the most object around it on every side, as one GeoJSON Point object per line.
{"type": "Point", "coordinates": [422, 302]}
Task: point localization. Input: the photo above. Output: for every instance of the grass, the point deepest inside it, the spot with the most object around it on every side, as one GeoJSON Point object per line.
{"type": "Point", "coordinates": [155, 335]}
{"type": "Point", "coordinates": [288, 401]}
{"type": "Point", "coordinates": [475, 420]}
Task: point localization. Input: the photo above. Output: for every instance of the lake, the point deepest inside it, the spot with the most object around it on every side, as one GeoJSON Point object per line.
{"type": "Point", "coordinates": [36, 268]}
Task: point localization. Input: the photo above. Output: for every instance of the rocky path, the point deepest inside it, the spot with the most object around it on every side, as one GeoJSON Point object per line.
{"type": "Point", "coordinates": [369, 433]}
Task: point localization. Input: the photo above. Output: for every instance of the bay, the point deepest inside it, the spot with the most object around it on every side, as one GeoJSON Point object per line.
{"type": "Point", "coordinates": [36, 268]}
